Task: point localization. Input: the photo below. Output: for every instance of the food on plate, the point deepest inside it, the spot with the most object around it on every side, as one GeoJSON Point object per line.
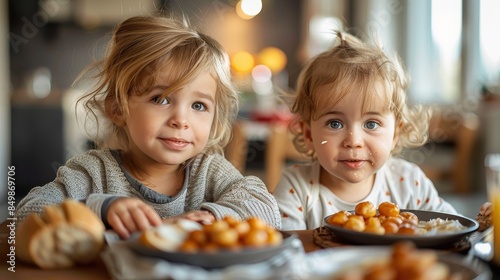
{"type": "Point", "coordinates": [339, 218]}
{"type": "Point", "coordinates": [408, 228]}
{"type": "Point", "coordinates": [168, 237]}
{"type": "Point", "coordinates": [226, 234]}
{"type": "Point", "coordinates": [409, 217]}
{"type": "Point", "coordinates": [441, 225]}
{"type": "Point", "coordinates": [484, 221]}
{"type": "Point", "coordinates": [64, 235]}
{"type": "Point", "coordinates": [373, 225]}
{"type": "Point", "coordinates": [405, 262]}
{"type": "Point", "coordinates": [366, 209]}
{"type": "Point", "coordinates": [389, 220]}
{"type": "Point", "coordinates": [390, 226]}
{"type": "Point", "coordinates": [388, 209]}
{"type": "Point", "coordinates": [232, 234]}
{"type": "Point", "coordinates": [355, 222]}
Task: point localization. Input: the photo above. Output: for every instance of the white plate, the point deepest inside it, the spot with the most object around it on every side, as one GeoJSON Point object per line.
{"type": "Point", "coordinates": [324, 264]}
{"type": "Point", "coordinates": [440, 240]}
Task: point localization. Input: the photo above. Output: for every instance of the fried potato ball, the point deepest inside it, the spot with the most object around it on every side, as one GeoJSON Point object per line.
{"type": "Point", "coordinates": [372, 225]}
{"type": "Point", "coordinates": [410, 217]}
{"type": "Point", "coordinates": [407, 228]}
{"type": "Point", "coordinates": [355, 222]}
{"type": "Point", "coordinates": [366, 209]}
{"type": "Point", "coordinates": [231, 234]}
{"type": "Point", "coordinates": [390, 227]}
{"type": "Point", "coordinates": [398, 220]}
{"type": "Point", "coordinates": [217, 225]}
{"type": "Point", "coordinates": [256, 223]}
{"type": "Point", "coordinates": [189, 246]}
{"type": "Point", "coordinates": [225, 238]}
{"type": "Point", "coordinates": [375, 230]}
{"type": "Point", "coordinates": [242, 228]}
{"type": "Point", "coordinates": [255, 237]}
{"type": "Point", "coordinates": [274, 237]}
{"type": "Point", "coordinates": [339, 218]}
{"type": "Point", "coordinates": [388, 209]}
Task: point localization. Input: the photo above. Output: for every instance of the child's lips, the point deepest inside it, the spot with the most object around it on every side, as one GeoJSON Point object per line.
{"type": "Point", "coordinates": [175, 143]}
{"type": "Point", "coordinates": [353, 163]}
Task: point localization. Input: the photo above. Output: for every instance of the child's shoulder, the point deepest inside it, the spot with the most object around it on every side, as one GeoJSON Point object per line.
{"type": "Point", "coordinates": [306, 169]}
{"type": "Point", "coordinates": [95, 155]}
{"type": "Point", "coordinates": [397, 166]}
{"type": "Point", "coordinates": [303, 166]}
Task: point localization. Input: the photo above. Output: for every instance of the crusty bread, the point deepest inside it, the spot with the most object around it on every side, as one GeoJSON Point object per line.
{"type": "Point", "coordinates": [484, 221]}
{"type": "Point", "coordinates": [64, 235]}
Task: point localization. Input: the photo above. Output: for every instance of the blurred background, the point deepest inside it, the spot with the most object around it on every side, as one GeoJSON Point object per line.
{"type": "Point", "coordinates": [449, 48]}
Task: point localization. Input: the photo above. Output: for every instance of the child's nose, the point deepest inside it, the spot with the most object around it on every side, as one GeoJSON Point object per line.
{"type": "Point", "coordinates": [178, 119]}
{"type": "Point", "coordinates": [353, 139]}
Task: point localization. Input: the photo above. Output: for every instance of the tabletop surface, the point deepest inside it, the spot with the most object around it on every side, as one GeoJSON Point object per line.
{"type": "Point", "coordinates": [96, 270]}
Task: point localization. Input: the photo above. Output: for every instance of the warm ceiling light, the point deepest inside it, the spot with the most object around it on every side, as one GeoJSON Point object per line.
{"type": "Point", "coordinates": [240, 12]}
{"type": "Point", "coordinates": [251, 7]}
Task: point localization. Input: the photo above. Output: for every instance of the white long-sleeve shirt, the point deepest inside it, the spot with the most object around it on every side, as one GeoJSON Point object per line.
{"type": "Point", "coordinates": [304, 202]}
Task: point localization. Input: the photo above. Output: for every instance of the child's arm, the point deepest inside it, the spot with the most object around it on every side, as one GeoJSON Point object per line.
{"type": "Point", "coordinates": [39, 197]}
{"type": "Point", "coordinates": [228, 193]}
{"type": "Point", "coordinates": [290, 204]}
{"type": "Point", "coordinates": [200, 216]}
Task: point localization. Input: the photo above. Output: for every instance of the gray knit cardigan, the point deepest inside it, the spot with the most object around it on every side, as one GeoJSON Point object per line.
{"type": "Point", "coordinates": [213, 184]}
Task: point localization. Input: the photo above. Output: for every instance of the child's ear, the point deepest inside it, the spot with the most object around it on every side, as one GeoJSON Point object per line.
{"type": "Point", "coordinates": [396, 135]}
{"type": "Point", "coordinates": [113, 111]}
{"type": "Point", "coordinates": [306, 132]}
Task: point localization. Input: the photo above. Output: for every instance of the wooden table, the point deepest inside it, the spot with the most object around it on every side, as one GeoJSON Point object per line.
{"type": "Point", "coordinates": [94, 271]}
{"type": "Point", "coordinates": [97, 270]}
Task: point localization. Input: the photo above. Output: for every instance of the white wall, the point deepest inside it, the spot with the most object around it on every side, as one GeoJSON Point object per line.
{"type": "Point", "coordinates": [4, 107]}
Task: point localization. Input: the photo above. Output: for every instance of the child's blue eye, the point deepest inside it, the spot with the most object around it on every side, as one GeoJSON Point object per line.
{"type": "Point", "coordinates": [335, 124]}
{"type": "Point", "coordinates": [372, 125]}
{"type": "Point", "coordinates": [199, 106]}
{"type": "Point", "coordinates": [160, 101]}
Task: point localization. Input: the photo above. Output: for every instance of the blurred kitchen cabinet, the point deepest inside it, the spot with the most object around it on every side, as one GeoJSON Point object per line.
{"type": "Point", "coordinates": [37, 141]}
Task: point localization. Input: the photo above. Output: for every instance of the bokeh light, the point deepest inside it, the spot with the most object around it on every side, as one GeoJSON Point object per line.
{"type": "Point", "coordinates": [273, 58]}
{"type": "Point", "coordinates": [251, 7]}
{"type": "Point", "coordinates": [242, 62]}
{"type": "Point", "coordinates": [261, 73]}
{"type": "Point", "coordinates": [240, 12]}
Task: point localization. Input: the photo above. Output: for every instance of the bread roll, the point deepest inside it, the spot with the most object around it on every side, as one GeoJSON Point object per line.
{"type": "Point", "coordinates": [64, 235]}
{"type": "Point", "coordinates": [169, 237]}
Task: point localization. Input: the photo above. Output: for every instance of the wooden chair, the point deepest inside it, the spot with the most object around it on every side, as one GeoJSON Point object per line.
{"type": "Point", "coordinates": [237, 149]}
{"type": "Point", "coordinates": [278, 150]}
{"type": "Point", "coordinates": [457, 130]}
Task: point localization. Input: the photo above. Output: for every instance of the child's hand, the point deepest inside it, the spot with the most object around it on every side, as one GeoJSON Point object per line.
{"type": "Point", "coordinates": [486, 209]}
{"type": "Point", "coordinates": [200, 216]}
{"type": "Point", "coordinates": [127, 215]}
{"type": "Point", "coordinates": [484, 216]}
